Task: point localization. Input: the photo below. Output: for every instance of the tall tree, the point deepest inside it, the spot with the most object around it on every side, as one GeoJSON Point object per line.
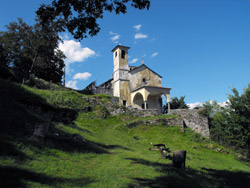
{"type": "Point", "coordinates": [33, 50]}
{"type": "Point", "coordinates": [79, 17]}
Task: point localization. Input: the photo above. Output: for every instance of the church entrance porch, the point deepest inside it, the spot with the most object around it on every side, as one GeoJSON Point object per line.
{"type": "Point", "coordinates": [149, 97]}
{"type": "Point", "coordinates": [138, 101]}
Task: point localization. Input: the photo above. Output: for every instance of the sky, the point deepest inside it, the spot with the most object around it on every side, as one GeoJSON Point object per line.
{"type": "Point", "coordinates": [201, 48]}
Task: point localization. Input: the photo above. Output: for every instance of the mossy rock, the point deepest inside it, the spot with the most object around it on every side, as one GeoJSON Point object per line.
{"type": "Point", "coordinates": [102, 112]}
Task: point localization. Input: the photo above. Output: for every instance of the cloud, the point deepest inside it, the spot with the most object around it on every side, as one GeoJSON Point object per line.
{"type": "Point", "coordinates": [195, 105]}
{"type": "Point", "coordinates": [82, 76]}
{"type": "Point", "coordinates": [74, 51]}
{"type": "Point", "coordinates": [133, 60]}
{"type": "Point", "coordinates": [154, 54]}
{"type": "Point", "coordinates": [140, 36]}
{"type": "Point", "coordinates": [115, 37]}
{"type": "Point", "coordinates": [137, 27]}
{"type": "Point", "coordinates": [72, 84]}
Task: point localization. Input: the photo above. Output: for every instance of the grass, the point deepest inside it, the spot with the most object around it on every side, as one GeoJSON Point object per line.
{"type": "Point", "coordinates": [113, 155]}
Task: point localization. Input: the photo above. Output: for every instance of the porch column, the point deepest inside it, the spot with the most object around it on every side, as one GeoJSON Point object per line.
{"type": "Point", "coordinates": [145, 105]}
{"type": "Point", "coordinates": [168, 107]}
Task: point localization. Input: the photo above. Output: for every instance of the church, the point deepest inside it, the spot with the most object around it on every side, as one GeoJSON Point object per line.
{"type": "Point", "coordinates": [138, 87]}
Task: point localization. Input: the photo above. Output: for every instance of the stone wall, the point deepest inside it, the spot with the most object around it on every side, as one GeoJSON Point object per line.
{"type": "Point", "coordinates": [193, 120]}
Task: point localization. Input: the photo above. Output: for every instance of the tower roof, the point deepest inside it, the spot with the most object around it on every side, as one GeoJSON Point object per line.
{"type": "Point", "coordinates": [120, 46]}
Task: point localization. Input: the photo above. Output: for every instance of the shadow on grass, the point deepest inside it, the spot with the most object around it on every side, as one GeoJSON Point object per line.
{"type": "Point", "coordinates": [20, 112]}
{"type": "Point", "coordinates": [112, 146]}
{"type": "Point", "coordinates": [9, 150]}
{"type": "Point", "coordinates": [11, 177]}
{"type": "Point", "coordinates": [190, 178]}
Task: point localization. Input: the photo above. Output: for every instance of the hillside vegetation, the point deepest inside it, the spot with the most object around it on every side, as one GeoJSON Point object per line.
{"type": "Point", "coordinates": [106, 153]}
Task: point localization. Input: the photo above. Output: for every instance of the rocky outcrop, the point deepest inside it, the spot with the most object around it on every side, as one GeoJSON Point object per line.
{"type": "Point", "coordinates": [190, 118]}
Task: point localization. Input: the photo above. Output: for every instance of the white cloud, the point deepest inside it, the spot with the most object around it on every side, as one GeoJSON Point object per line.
{"type": "Point", "coordinates": [74, 51]}
{"type": "Point", "coordinates": [200, 104]}
{"type": "Point", "coordinates": [140, 36]}
{"type": "Point", "coordinates": [154, 54]}
{"type": "Point", "coordinates": [115, 37]}
{"type": "Point", "coordinates": [195, 105]}
{"type": "Point", "coordinates": [72, 84]}
{"type": "Point", "coordinates": [133, 60]}
{"type": "Point", "coordinates": [82, 76]}
{"type": "Point", "coordinates": [112, 33]}
{"type": "Point", "coordinates": [137, 27]}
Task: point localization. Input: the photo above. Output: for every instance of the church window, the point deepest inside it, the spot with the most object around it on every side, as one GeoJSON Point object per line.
{"type": "Point", "coordinates": [123, 54]}
{"type": "Point", "coordinates": [144, 81]}
{"type": "Point", "coordinates": [115, 54]}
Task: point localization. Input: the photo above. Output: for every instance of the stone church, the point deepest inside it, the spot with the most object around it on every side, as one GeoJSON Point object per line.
{"type": "Point", "coordinates": [138, 87]}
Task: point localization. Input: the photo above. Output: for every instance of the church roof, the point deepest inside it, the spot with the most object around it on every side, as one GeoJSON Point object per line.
{"type": "Point", "coordinates": [143, 65]}
{"type": "Point", "coordinates": [162, 89]}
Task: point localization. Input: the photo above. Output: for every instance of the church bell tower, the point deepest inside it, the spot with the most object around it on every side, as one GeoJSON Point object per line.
{"type": "Point", "coordinates": [121, 74]}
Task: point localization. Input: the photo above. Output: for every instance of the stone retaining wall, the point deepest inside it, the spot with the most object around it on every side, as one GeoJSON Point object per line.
{"type": "Point", "coordinates": [193, 120]}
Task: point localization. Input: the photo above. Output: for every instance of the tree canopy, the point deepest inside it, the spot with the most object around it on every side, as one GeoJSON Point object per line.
{"type": "Point", "coordinates": [178, 103]}
{"type": "Point", "coordinates": [80, 17]}
{"type": "Point", "coordinates": [231, 125]}
{"type": "Point", "coordinates": [32, 50]}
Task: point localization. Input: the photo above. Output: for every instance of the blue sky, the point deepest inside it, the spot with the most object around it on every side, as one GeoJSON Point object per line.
{"type": "Point", "coordinates": [201, 48]}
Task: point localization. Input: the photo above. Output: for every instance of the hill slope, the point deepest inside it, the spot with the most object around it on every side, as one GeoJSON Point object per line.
{"type": "Point", "coordinates": [86, 147]}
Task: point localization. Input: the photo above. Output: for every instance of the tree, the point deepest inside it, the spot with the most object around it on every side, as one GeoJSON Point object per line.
{"type": "Point", "coordinates": [33, 50]}
{"type": "Point", "coordinates": [3, 57]}
{"type": "Point", "coordinates": [80, 17]}
{"type": "Point", "coordinates": [231, 125]}
{"type": "Point", "coordinates": [178, 103]}
{"type": "Point", "coordinates": [175, 103]}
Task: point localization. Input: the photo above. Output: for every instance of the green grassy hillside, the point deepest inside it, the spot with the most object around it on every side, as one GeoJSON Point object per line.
{"type": "Point", "coordinates": [110, 154]}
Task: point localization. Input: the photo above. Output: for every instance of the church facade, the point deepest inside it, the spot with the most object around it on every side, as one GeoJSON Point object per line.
{"type": "Point", "coordinates": [139, 87]}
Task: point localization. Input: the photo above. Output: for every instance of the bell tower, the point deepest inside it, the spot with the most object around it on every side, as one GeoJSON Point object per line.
{"type": "Point", "coordinates": [120, 74]}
